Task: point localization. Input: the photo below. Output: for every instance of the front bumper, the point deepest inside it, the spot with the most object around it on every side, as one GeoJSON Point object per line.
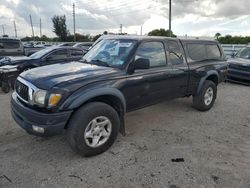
{"type": "Point", "coordinates": [52, 123]}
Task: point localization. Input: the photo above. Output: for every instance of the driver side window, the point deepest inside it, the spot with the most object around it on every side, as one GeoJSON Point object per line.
{"type": "Point", "coordinates": [58, 55]}
{"type": "Point", "coordinates": [154, 52]}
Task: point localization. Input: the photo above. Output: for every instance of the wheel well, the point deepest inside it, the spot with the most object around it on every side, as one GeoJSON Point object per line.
{"type": "Point", "coordinates": [110, 100]}
{"type": "Point", "coordinates": [213, 78]}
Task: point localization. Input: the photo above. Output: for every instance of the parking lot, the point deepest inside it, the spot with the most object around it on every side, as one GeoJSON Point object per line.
{"type": "Point", "coordinates": [214, 145]}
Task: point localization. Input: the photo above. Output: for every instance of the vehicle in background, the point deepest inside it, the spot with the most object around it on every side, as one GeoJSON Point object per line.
{"type": "Point", "coordinates": [239, 67]}
{"type": "Point", "coordinates": [90, 97]}
{"type": "Point", "coordinates": [31, 50]}
{"type": "Point", "coordinates": [85, 46]}
{"type": "Point", "coordinates": [11, 47]}
{"type": "Point", "coordinates": [13, 66]}
{"type": "Point", "coordinates": [44, 57]}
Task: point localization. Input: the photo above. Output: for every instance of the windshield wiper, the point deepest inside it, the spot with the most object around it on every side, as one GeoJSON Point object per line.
{"type": "Point", "coordinates": [101, 63]}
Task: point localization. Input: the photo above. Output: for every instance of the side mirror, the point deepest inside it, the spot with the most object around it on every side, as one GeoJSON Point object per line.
{"type": "Point", "coordinates": [142, 63]}
{"type": "Point", "coordinates": [233, 54]}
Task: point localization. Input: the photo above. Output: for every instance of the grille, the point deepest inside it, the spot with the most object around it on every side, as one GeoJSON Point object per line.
{"type": "Point", "coordinates": [22, 90]}
{"type": "Point", "coordinates": [239, 67]}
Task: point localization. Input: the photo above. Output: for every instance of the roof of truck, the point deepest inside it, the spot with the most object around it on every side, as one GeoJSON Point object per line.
{"type": "Point", "coordinates": [137, 37]}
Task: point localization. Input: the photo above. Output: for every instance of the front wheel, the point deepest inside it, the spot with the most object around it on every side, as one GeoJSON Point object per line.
{"type": "Point", "coordinates": [205, 99]}
{"type": "Point", "coordinates": [93, 129]}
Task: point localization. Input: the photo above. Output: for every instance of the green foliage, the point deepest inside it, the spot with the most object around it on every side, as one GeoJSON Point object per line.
{"type": "Point", "coordinates": [60, 27]}
{"type": "Point", "coordinates": [228, 39]}
{"type": "Point", "coordinates": [217, 35]}
{"type": "Point", "coordinates": [161, 32]}
{"type": "Point", "coordinates": [79, 38]}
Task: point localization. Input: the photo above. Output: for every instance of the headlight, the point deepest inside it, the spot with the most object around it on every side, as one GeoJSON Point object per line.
{"type": "Point", "coordinates": [54, 99]}
{"type": "Point", "coordinates": [39, 97]}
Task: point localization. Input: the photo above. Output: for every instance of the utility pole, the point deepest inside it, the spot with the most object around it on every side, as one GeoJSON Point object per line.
{"type": "Point", "coordinates": [170, 17]}
{"type": "Point", "coordinates": [15, 28]}
{"type": "Point", "coordinates": [141, 30]}
{"type": "Point", "coordinates": [3, 30]}
{"type": "Point", "coordinates": [32, 28]}
{"type": "Point", "coordinates": [121, 29]}
{"type": "Point", "coordinates": [40, 27]}
{"type": "Point", "coordinates": [74, 21]}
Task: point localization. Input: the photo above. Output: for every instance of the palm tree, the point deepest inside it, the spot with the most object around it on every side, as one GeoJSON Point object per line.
{"type": "Point", "coordinates": [217, 35]}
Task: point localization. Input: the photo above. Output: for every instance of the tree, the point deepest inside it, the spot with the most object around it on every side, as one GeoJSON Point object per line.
{"type": "Point", "coordinates": [217, 35]}
{"type": "Point", "coordinates": [161, 32]}
{"type": "Point", "coordinates": [60, 27]}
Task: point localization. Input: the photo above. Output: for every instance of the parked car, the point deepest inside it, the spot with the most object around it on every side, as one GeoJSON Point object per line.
{"type": "Point", "coordinates": [89, 98]}
{"type": "Point", "coordinates": [85, 46]}
{"type": "Point", "coordinates": [11, 46]}
{"type": "Point", "coordinates": [239, 67]}
{"type": "Point", "coordinates": [28, 51]}
{"type": "Point", "coordinates": [43, 57]}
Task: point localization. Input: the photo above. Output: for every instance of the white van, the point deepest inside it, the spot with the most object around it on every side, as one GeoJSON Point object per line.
{"type": "Point", "coordinates": [11, 47]}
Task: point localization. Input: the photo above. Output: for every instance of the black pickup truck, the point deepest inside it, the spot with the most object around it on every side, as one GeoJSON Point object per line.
{"type": "Point", "coordinates": [89, 98]}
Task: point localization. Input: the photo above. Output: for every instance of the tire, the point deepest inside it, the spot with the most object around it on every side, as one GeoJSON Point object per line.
{"type": "Point", "coordinates": [5, 87]}
{"type": "Point", "coordinates": [204, 101]}
{"type": "Point", "coordinates": [80, 128]}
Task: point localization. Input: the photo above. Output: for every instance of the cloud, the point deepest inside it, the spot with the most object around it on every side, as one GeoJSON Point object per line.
{"type": "Point", "coordinates": [192, 17]}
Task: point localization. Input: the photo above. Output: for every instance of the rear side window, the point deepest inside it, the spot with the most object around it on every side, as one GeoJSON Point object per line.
{"type": "Point", "coordinates": [203, 51]}
{"type": "Point", "coordinates": [154, 51]}
{"type": "Point", "coordinates": [196, 51]}
{"type": "Point", "coordinates": [213, 51]}
{"type": "Point", "coordinates": [175, 55]}
{"type": "Point", "coordinates": [9, 44]}
{"type": "Point", "coordinates": [75, 53]}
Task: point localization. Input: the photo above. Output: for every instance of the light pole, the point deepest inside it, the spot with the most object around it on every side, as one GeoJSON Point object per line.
{"type": "Point", "coordinates": [170, 17]}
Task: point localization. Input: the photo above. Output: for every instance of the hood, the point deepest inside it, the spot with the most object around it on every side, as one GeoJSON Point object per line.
{"type": "Point", "coordinates": [240, 61]}
{"type": "Point", "coordinates": [10, 60]}
{"type": "Point", "coordinates": [68, 73]}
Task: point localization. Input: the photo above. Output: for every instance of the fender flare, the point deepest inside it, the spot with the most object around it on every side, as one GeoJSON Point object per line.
{"type": "Point", "coordinates": [79, 98]}
{"type": "Point", "coordinates": [203, 79]}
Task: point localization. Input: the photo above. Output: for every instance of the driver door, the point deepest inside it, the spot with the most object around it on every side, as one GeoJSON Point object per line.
{"type": "Point", "coordinates": [149, 86]}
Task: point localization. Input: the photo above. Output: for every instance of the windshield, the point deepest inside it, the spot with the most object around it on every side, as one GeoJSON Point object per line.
{"type": "Point", "coordinates": [40, 53]}
{"type": "Point", "coordinates": [110, 52]}
{"type": "Point", "coordinates": [244, 53]}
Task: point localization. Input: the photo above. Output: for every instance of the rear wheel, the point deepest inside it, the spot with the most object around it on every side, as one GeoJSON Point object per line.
{"type": "Point", "coordinates": [205, 99]}
{"type": "Point", "coordinates": [93, 129]}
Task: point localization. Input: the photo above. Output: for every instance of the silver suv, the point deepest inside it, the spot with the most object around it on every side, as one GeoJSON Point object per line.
{"type": "Point", "coordinates": [11, 47]}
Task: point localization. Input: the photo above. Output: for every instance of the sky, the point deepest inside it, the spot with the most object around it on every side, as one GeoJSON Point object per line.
{"type": "Point", "coordinates": [189, 17]}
